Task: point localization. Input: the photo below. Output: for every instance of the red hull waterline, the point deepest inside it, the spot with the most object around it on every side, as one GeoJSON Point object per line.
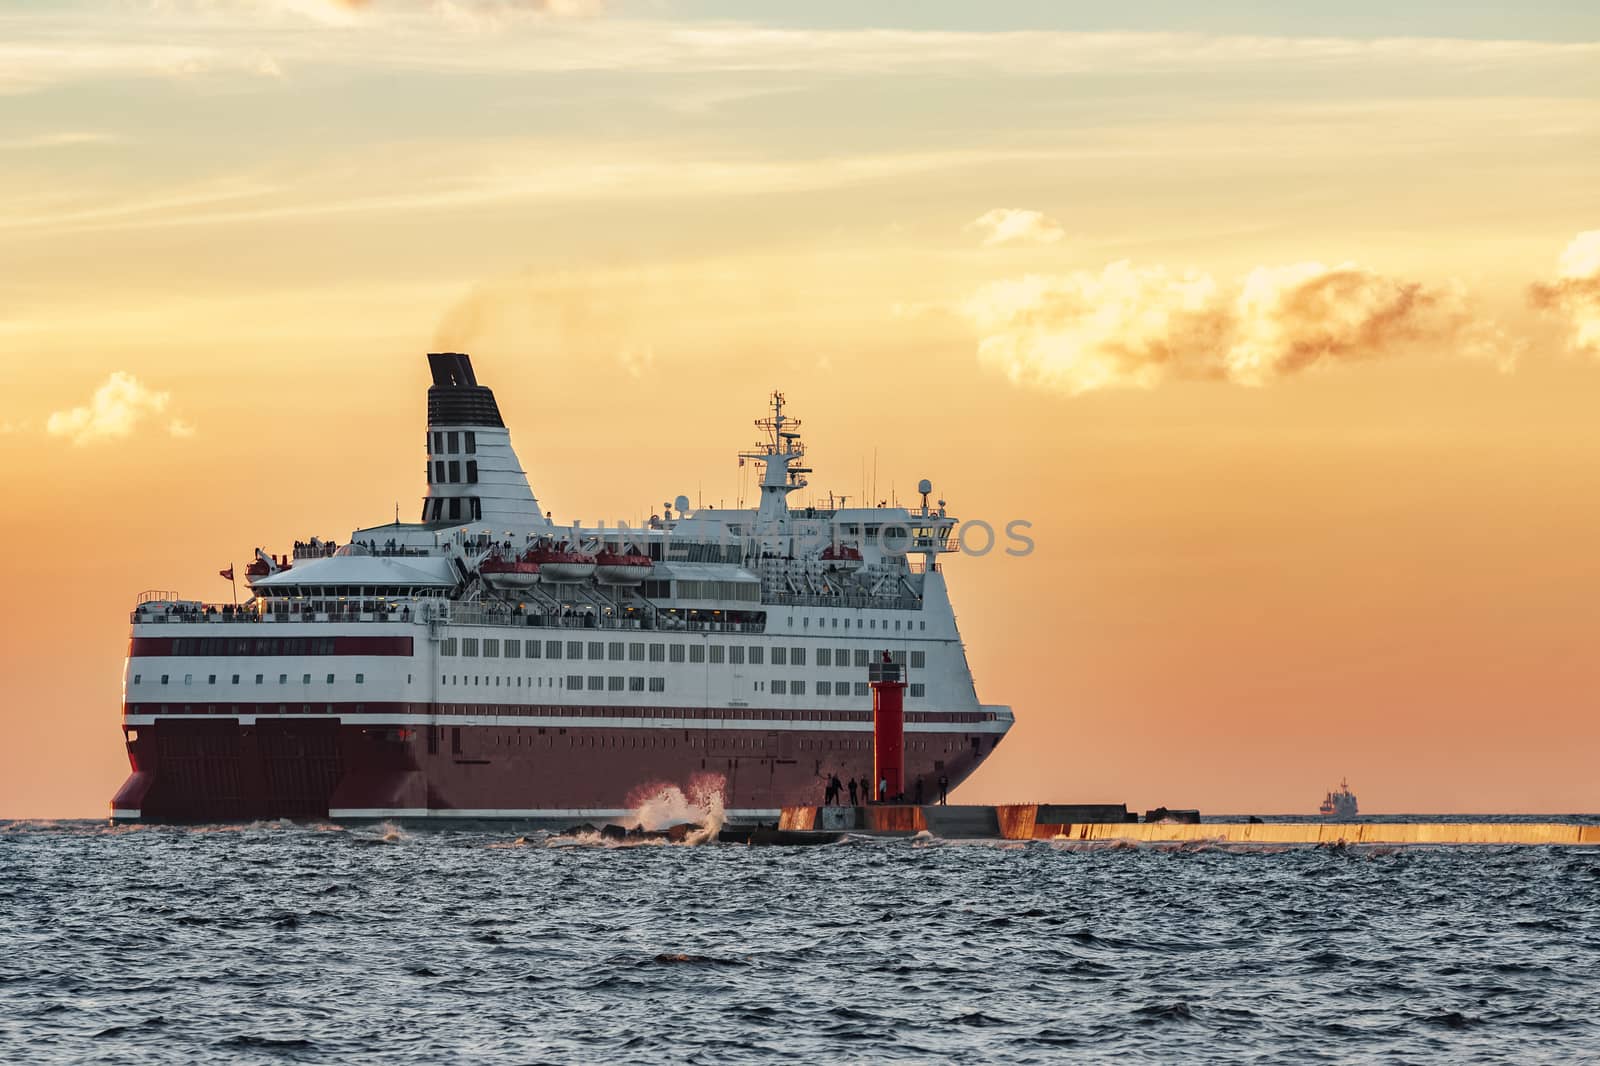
{"type": "Point", "coordinates": [211, 768]}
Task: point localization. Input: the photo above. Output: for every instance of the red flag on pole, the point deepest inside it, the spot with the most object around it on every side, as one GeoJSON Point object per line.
{"type": "Point", "coordinates": [227, 574]}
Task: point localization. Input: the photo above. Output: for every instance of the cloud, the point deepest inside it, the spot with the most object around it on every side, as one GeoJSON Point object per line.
{"type": "Point", "coordinates": [464, 12]}
{"type": "Point", "coordinates": [326, 12]}
{"type": "Point", "coordinates": [1575, 292]}
{"type": "Point", "coordinates": [64, 139]}
{"type": "Point", "coordinates": [114, 411]}
{"type": "Point", "coordinates": [1137, 327]}
{"type": "Point", "coordinates": [490, 172]}
{"type": "Point", "coordinates": [1015, 225]}
{"type": "Point", "coordinates": [584, 316]}
{"type": "Point", "coordinates": [636, 362]}
{"type": "Point", "coordinates": [160, 37]}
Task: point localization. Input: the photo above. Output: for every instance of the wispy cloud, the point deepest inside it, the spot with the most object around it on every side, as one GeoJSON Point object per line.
{"type": "Point", "coordinates": [1575, 291]}
{"type": "Point", "coordinates": [30, 65]}
{"type": "Point", "coordinates": [636, 362]}
{"type": "Point", "coordinates": [166, 39]}
{"type": "Point", "coordinates": [321, 12]}
{"type": "Point", "coordinates": [61, 139]}
{"type": "Point", "coordinates": [221, 198]}
{"type": "Point", "coordinates": [114, 412]}
{"type": "Point", "coordinates": [497, 173]}
{"type": "Point", "coordinates": [1015, 225]}
{"type": "Point", "coordinates": [496, 14]}
{"type": "Point", "coordinates": [475, 14]}
{"type": "Point", "coordinates": [587, 316]}
{"type": "Point", "coordinates": [1137, 327]}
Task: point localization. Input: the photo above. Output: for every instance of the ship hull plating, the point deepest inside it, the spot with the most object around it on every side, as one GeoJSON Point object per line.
{"type": "Point", "coordinates": [226, 769]}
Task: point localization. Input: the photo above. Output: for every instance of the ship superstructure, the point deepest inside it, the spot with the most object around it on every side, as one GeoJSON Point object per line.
{"type": "Point", "coordinates": [1340, 804]}
{"type": "Point", "coordinates": [487, 662]}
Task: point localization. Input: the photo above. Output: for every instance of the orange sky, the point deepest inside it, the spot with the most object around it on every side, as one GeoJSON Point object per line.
{"type": "Point", "coordinates": [1251, 577]}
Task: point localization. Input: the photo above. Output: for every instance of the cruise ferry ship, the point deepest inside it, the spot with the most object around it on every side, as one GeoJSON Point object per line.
{"type": "Point", "coordinates": [488, 662]}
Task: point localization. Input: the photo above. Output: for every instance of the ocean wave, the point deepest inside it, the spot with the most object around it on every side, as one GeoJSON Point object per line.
{"type": "Point", "coordinates": [383, 943]}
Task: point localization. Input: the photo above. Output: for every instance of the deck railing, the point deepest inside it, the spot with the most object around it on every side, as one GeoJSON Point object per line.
{"type": "Point", "coordinates": [215, 614]}
{"type": "Point", "coordinates": [876, 603]}
{"type": "Point", "coordinates": [327, 551]}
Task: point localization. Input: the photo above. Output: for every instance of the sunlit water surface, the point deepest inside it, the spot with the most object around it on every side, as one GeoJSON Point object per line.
{"type": "Point", "coordinates": [384, 944]}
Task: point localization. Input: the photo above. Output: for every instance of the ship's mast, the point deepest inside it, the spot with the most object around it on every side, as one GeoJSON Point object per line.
{"type": "Point", "coordinates": [777, 454]}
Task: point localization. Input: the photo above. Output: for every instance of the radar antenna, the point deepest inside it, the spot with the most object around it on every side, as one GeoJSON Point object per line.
{"type": "Point", "coordinates": [781, 448]}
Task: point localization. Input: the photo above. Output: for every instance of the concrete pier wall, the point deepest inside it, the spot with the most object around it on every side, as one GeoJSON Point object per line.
{"type": "Point", "coordinates": [1026, 821]}
{"type": "Point", "coordinates": [1334, 833]}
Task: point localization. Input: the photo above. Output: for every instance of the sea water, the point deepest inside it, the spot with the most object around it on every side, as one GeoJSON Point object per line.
{"type": "Point", "coordinates": [391, 943]}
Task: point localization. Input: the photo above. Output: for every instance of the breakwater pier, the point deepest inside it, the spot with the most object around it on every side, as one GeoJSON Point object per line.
{"type": "Point", "coordinates": [1111, 823]}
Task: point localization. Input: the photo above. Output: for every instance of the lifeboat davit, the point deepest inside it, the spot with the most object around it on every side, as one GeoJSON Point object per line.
{"type": "Point", "coordinates": [559, 564]}
{"type": "Point", "coordinates": [501, 573]}
{"type": "Point", "coordinates": [841, 557]}
{"type": "Point", "coordinates": [264, 566]}
{"type": "Point", "coordinates": [622, 568]}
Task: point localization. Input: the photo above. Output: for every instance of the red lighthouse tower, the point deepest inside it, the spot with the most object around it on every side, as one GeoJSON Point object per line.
{"type": "Point", "coordinates": [888, 729]}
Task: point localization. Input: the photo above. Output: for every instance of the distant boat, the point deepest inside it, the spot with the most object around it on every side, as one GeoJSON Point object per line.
{"type": "Point", "coordinates": [1340, 804]}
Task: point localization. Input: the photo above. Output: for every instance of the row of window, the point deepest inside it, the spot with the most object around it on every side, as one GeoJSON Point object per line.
{"type": "Point", "coordinates": [453, 442]}
{"type": "Point", "coordinates": [249, 646]}
{"type": "Point", "coordinates": [592, 683]}
{"type": "Point", "coordinates": [261, 679]}
{"type": "Point", "coordinates": [448, 472]}
{"type": "Point", "coordinates": [860, 623]}
{"type": "Point", "coordinates": [636, 683]}
{"type": "Point", "coordinates": [748, 591]}
{"type": "Point", "coordinates": [571, 682]}
{"type": "Point", "coordinates": [639, 651]}
{"type": "Point", "coordinates": [838, 688]}
{"type": "Point", "coordinates": [453, 508]}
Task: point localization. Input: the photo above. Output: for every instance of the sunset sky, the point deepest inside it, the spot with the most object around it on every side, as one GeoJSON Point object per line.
{"type": "Point", "coordinates": [1280, 324]}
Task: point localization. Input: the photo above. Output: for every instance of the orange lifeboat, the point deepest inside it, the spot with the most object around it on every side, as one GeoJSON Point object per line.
{"type": "Point", "coordinates": [560, 564]}
{"type": "Point", "coordinates": [622, 568]}
{"type": "Point", "coordinates": [500, 572]}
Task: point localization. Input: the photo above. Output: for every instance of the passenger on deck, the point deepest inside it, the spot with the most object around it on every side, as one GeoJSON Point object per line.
{"type": "Point", "coordinates": [883, 790]}
{"type": "Point", "coordinates": [852, 792]}
{"type": "Point", "coordinates": [919, 792]}
{"type": "Point", "coordinates": [944, 790]}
